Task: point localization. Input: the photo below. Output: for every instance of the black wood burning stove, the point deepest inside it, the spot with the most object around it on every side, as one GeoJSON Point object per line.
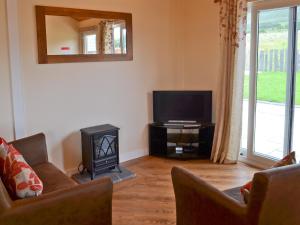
{"type": "Point", "coordinates": [100, 149]}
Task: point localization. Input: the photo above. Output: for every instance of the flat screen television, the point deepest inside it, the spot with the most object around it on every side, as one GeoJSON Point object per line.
{"type": "Point", "coordinates": [182, 106]}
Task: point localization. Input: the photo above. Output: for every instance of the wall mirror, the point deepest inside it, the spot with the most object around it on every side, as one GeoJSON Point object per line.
{"type": "Point", "coordinates": [79, 35]}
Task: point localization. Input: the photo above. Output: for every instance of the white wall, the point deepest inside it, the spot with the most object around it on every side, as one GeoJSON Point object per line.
{"type": "Point", "coordinates": [62, 98]}
{"type": "Point", "coordinates": [175, 47]}
{"type": "Point", "coordinates": [201, 45]}
{"type": "Point", "coordinates": [6, 118]}
{"type": "Point", "coordinates": [195, 44]}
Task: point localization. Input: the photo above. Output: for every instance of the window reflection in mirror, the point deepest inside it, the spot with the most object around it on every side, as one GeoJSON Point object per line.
{"type": "Point", "coordinates": [77, 35]}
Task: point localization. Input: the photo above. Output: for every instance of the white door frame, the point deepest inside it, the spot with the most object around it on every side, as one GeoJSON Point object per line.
{"type": "Point", "coordinates": [15, 68]}
{"type": "Point", "coordinates": [255, 7]}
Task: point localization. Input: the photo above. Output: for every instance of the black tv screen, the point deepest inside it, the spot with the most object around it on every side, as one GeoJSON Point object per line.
{"type": "Point", "coordinates": [169, 106]}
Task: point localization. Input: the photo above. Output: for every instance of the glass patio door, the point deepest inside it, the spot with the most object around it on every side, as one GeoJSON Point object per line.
{"type": "Point", "coordinates": [271, 79]}
{"type": "Point", "coordinates": [296, 112]}
{"type": "Point", "coordinates": [271, 105]}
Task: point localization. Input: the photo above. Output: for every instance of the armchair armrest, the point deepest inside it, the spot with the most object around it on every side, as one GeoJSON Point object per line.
{"type": "Point", "coordinates": [80, 205]}
{"type": "Point", "coordinates": [198, 203]}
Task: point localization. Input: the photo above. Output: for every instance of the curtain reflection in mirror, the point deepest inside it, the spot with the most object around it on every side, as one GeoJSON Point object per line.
{"type": "Point", "coordinates": [112, 37]}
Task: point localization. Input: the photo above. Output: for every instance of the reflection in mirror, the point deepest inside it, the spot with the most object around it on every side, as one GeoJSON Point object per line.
{"type": "Point", "coordinates": [78, 35]}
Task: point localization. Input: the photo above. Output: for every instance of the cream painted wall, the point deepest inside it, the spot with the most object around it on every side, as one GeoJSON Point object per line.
{"type": "Point", "coordinates": [62, 98]}
{"type": "Point", "coordinates": [201, 45]}
{"type": "Point", "coordinates": [175, 47]}
{"type": "Point", "coordinates": [89, 22]}
{"type": "Point", "coordinates": [6, 118]}
{"type": "Point", "coordinates": [62, 31]}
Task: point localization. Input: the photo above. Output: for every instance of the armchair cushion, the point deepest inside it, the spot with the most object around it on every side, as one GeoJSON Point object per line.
{"type": "Point", "coordinates": [53, 178]}
{"type": "Point", "coordinates": [235, 193]}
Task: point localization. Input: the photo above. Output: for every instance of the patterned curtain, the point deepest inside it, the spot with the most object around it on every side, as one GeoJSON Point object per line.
{"type": "Point", "coordinates": [107, 37]}
{"type": "Point", "coordinates": [226, 147]}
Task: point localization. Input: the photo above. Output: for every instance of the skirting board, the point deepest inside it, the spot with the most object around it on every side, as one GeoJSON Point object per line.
{"type": "Point", "coordinates": [124, 157]}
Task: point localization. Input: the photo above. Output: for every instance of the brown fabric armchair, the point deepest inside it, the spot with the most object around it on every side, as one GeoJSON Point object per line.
{"type": "Point", "coordinates": [63, 202]}
{"type": "Point", "coordinates": [274, 200]}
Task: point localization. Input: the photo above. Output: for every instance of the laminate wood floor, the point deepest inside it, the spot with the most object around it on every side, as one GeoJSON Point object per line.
{"type": "Point", "coordinates": [148, 199]}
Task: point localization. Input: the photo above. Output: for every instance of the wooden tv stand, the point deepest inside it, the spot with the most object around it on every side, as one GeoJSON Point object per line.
{"type": "Point", "coordinates": [181, 141]}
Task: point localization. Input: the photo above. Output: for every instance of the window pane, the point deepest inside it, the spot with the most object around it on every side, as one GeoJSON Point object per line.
{"type": "Point", "coordinates": [271, 82]}
{"type": "Point", "coordinates": [124, 41]}
{"type": "Point", "coordinates": [91, 44]}
{"type": "Point", "coordinates": [117, 40]}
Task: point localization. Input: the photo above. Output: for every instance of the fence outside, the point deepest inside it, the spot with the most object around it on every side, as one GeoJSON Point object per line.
{"type": "Point", "coordinates": [274, 60]}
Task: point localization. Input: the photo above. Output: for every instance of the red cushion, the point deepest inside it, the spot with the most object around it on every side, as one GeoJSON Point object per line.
{"type": "Point", "coordinates": [247, 186]}
{"type": "Point", "coordinates": [290, 159]}
{"type": "Point", "coordinates": [3, 154]}
{"type": "Point", "coordinates": [18, 177]}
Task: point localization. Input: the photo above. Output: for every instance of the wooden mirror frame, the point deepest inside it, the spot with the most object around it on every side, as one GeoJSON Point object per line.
{"type": "Point", "coordinates": [44, 58]}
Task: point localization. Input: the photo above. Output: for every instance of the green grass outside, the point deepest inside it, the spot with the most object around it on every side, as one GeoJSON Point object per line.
{"type": "Point", "coordinates": [272, 87]}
